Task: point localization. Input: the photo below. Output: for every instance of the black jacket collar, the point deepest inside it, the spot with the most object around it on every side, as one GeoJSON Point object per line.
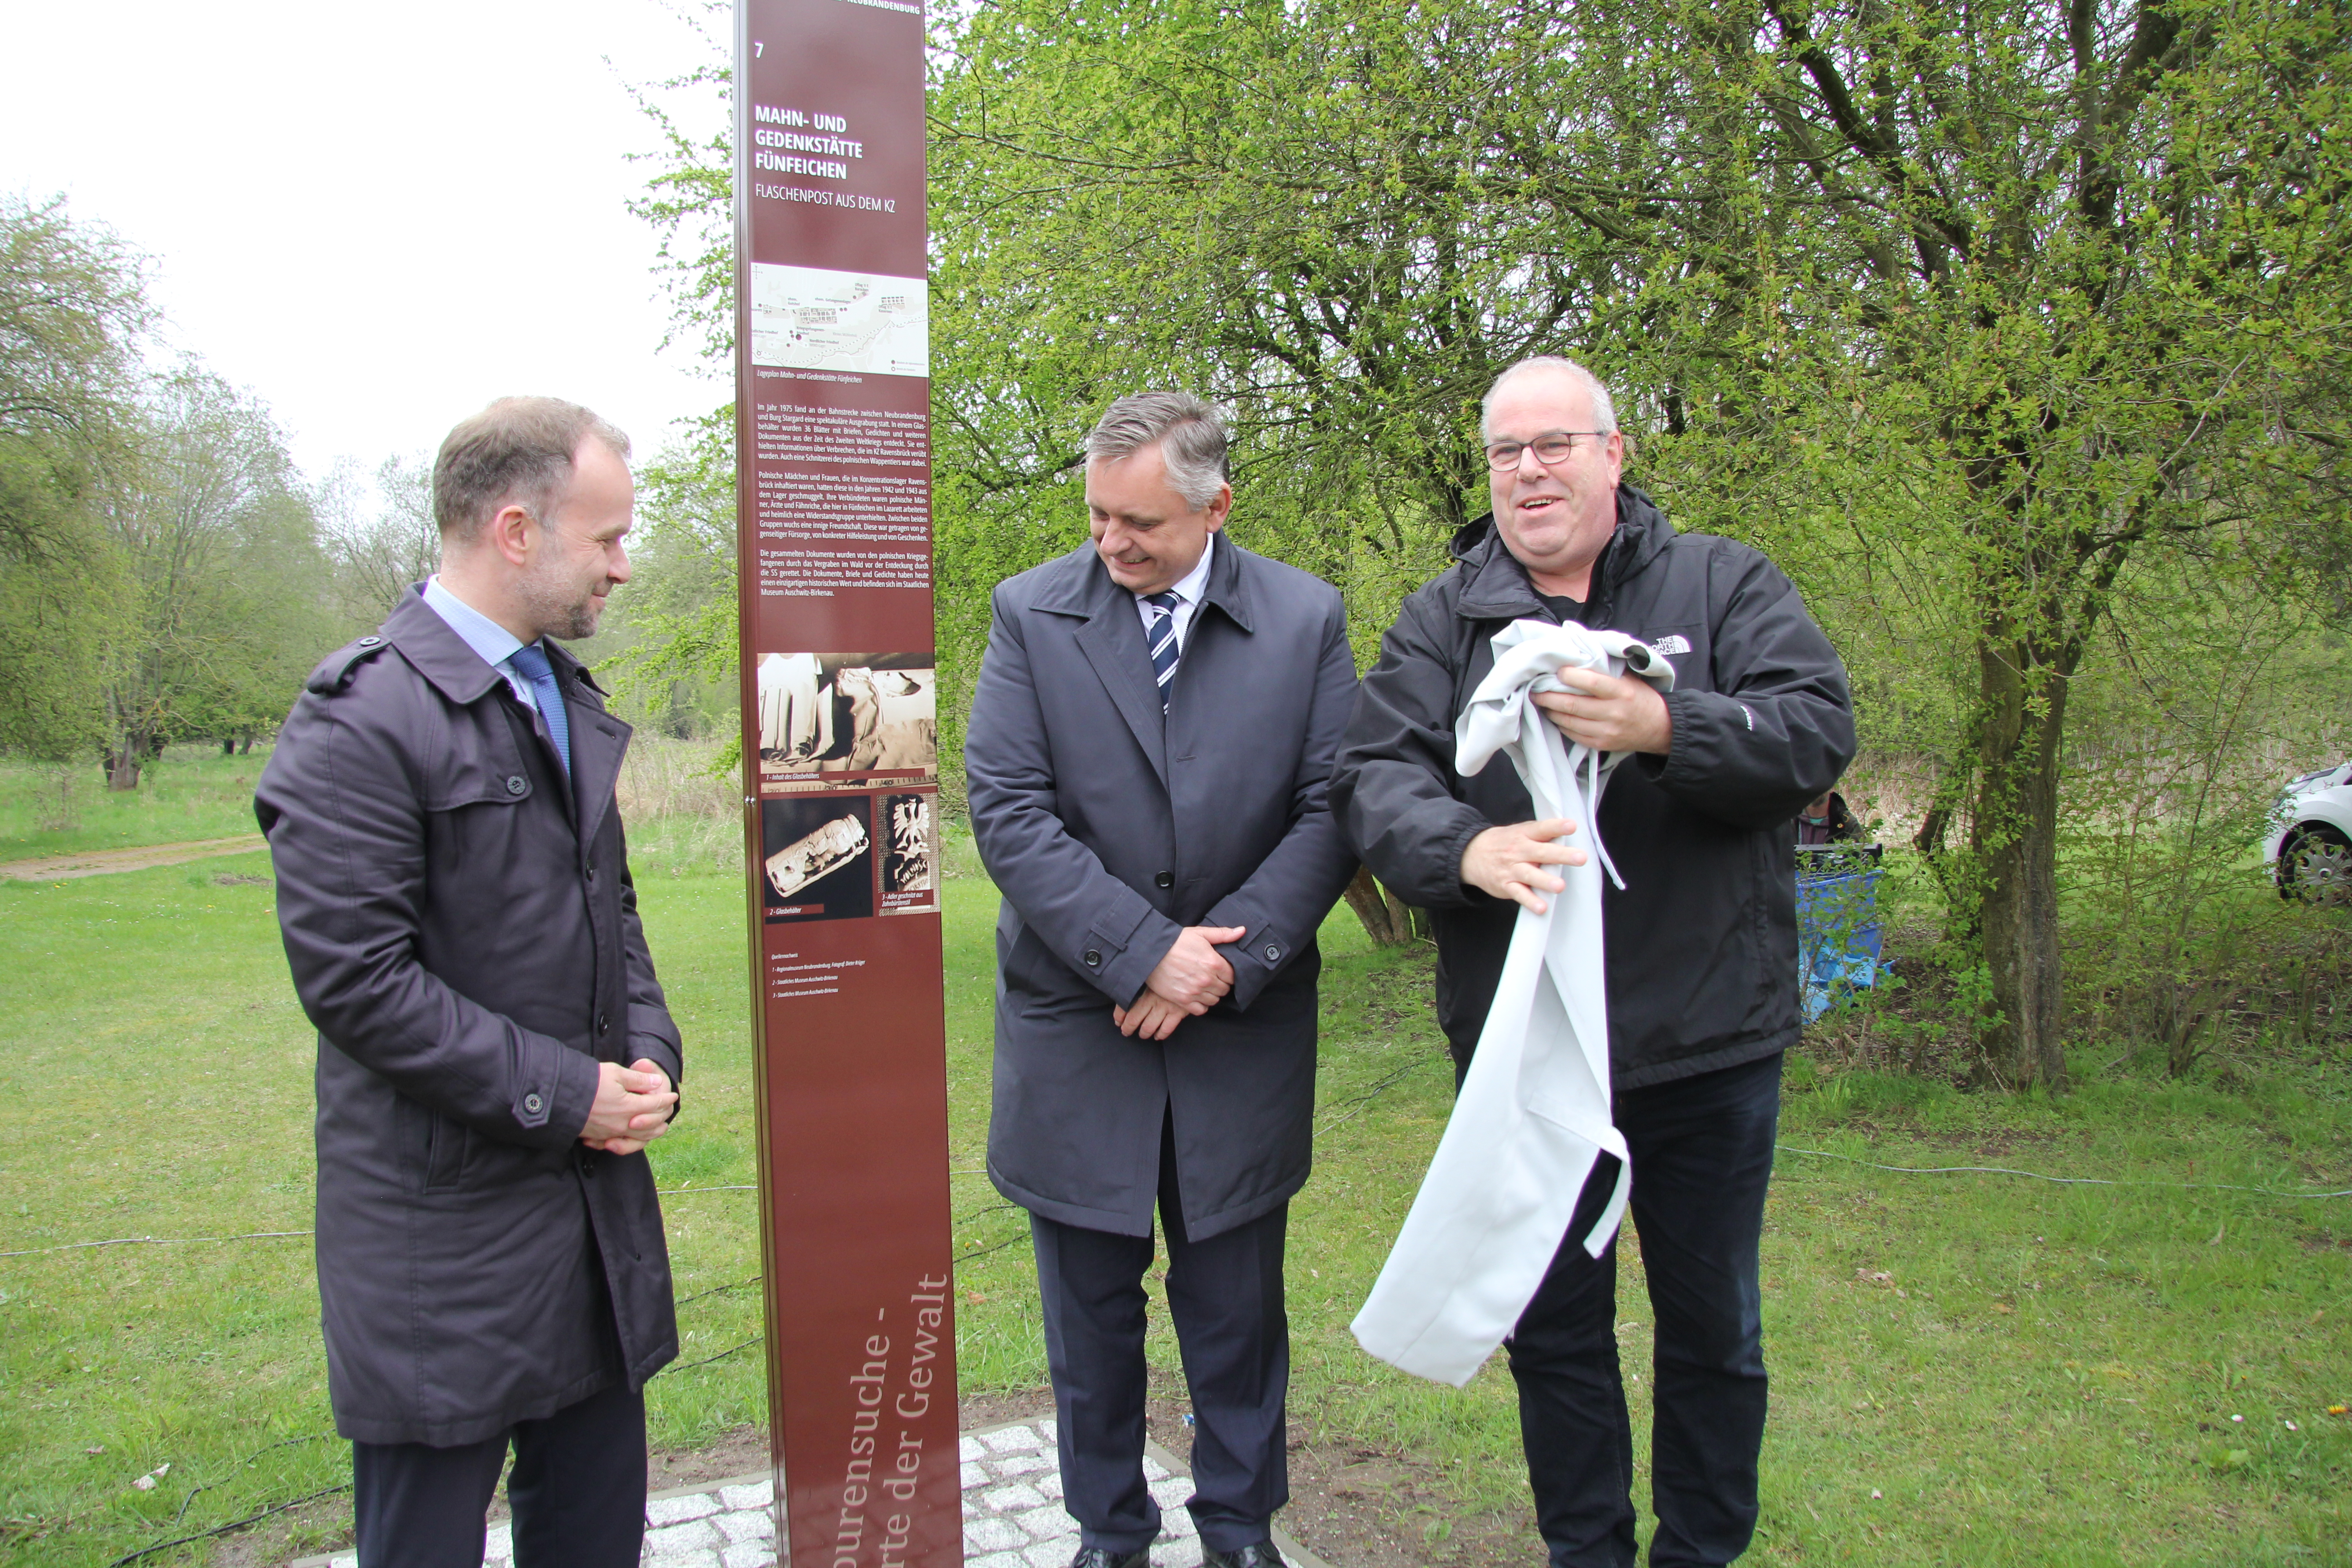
{"type": "Point", "coordinates": [434, 649]}
{"type": "Point", "coordinates": [432, 646]}
{"type": "Point", "coordinates": [1495, 586]}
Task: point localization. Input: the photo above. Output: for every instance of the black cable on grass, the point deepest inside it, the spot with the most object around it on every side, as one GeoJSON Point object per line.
{"type": "Point", "coordinates": [706, 1361]}
{"type": "Point", "coordinates": [2062, 1181]}
{"type": "Point", "coordinates": [717, 1290]}
{"type": "Point", "coordinates": [182, 1513]}
{"type": "Point", "coordinates": [981, 1252]}
{"type": "Point", "coordinates": [155, 1241]}
{"type": "Point", "coordinates": [273, 1234]}
{"type": "Point", "coordinates": [225, 1528]}
{"type": "Point", "coordinates": [1378, 1089]}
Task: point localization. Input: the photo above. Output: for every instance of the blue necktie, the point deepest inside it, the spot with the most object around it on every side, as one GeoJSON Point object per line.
{"type": "Point", "coordinates": [1162, 639]}
{"type": "Point", "coordinates": [530, 661]}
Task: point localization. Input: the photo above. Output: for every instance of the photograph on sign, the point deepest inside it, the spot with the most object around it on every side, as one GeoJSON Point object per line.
{"type": "Point", "coordinates": [810, 318]}
{"type": "Point", "coordinates": [818, 851]}
{"type": "Point", "coordinates": [835, 720]}
{"type": "Point", "coordinates": [910, 857]}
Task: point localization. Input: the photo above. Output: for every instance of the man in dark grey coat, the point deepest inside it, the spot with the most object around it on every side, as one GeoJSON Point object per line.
{"type": "Point", "coordinates": [1147, 757]}
{"type": "Point", "coordinates": [1701, 960]}
{"type": "Point", "coordinates": [494, 1052]}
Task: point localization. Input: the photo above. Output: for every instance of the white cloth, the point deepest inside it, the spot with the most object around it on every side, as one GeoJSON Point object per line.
{"type": "Point", "coordinates": [1188, 589]}
{"type": "Point", "coordinates": [1533, 1116]}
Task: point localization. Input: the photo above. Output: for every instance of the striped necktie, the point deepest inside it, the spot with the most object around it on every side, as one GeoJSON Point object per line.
{"type": "Point", "coordinates": [531, 663]}
{"type": "Point", "coordinates": [1162, 639]}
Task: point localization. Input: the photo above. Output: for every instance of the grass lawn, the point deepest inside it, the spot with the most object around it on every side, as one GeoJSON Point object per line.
{"type": "Point", "coordinates": [190, 793]}
{"type": "Point", "coordinates": [1967, 1369]}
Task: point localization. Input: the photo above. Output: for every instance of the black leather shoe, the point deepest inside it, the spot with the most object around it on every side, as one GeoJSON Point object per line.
{"type": "Point", "coordinates": [1103, 1557]}
{"type": "Point", "coordinates": [1257, 1554]}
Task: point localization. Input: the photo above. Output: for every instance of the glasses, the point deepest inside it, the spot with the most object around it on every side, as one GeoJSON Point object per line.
{"type": "Point", "coordinates": [1503, 456]}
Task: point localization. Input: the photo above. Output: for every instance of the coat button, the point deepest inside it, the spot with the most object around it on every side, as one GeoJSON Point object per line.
{"type": "Point", "coordinates": [1165, 879]}
{"type": "Point", "coordinates": [370, 642]}
{"type": "Point", "coordinates": [1093, 958]}
{"type": "Point", "coordinates": [1272, 952]}
{"type": "Point", "coordinates": [531, 1103]}
{"type": "Point", "coordinates": [592, 875]}
{"type": "Point", "coordinates": [603, 1024]}
{"type": "Point", "coordinates": [516, 784]}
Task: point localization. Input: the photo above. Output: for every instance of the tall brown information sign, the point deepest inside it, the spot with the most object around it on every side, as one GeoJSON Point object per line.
{"type": "Point", "coordinates": [840, 778]}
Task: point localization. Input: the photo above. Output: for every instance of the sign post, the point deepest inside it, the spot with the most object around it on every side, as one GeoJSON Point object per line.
{"type": "Point", "coordinates": [839, 689]}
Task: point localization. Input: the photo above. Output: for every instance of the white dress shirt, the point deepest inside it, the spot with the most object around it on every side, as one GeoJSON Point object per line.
{"type": "Point", "coordinates": [484, 636]}
{"type": "Point", "coordinates": [1188, 590]}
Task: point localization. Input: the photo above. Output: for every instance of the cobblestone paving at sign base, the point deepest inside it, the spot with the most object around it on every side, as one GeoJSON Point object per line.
{"type": "Point", "coordinates": [1012, 1515]}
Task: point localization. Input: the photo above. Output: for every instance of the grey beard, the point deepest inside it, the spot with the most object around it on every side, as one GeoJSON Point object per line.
{"type": "Point", "coordinates": [566, 620]}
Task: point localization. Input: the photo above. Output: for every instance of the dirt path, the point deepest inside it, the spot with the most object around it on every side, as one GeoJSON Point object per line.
{"type": "Point", "coordinates": [101, 862]}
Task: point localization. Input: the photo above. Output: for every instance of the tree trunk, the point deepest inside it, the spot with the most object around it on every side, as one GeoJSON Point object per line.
{"type": "Point", "coordinates": [2014, 836]}
{"type": "Point", "coordinates": [1385, 919]}
{"type": "Point", "coordinates": [133, 745]}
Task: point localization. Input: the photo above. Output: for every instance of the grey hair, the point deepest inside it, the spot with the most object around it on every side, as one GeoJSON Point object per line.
{"type": "Point", "coordinates": [519, 448]}
{"type": "Point", "coordinates": [1604, 410]}
{"type": "Point", "coordinates": [1190, 437]}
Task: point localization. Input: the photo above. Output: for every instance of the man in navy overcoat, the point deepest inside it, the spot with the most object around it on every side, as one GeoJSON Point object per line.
{"type": "Point", "coordinates": [1147, 759]}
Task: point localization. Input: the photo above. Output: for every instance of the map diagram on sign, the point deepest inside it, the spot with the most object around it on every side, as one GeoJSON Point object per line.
{"type": "Point", "coordinates": [812, 318]}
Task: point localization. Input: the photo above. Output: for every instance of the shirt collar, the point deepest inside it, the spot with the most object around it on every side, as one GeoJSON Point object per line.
{"type": "Point", "coordinates": [1193, 583]}
{"type": "Point", "coordinates": [484, 636]}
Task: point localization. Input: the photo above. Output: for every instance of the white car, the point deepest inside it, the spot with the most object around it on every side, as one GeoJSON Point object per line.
{"type": "Point", "coordinates": [2310, 846]}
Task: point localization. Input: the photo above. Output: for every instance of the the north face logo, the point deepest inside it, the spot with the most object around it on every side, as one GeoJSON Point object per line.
{"type": "Point", "coordinates": [1672, 642]}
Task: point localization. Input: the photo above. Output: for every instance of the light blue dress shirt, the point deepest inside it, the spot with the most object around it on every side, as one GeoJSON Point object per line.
{"type": "Point", "coordinates": [484, 636]}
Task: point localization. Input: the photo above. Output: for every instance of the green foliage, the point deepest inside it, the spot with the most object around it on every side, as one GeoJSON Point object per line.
{"type": "Point", "coordinates": [161, 568]}
{"type": "Point", "coordinates": [223, 605]}
{"type": "Point", "coordinates": [675, 622]}
{"type": "Point", "coordinates": [73, 312]}
{"type": "Point", "coordinates": [2041, 309]}
{"type": "Point", "coordinates": [52, 618]}
{"type": "Point", "coordinates": [73, 309]}
{"type": "Point", "coordinates": [1338, 221]}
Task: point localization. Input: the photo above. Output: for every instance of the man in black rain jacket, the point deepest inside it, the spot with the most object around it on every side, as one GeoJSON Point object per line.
{"type": "Point", "coordinates": [1702, 941]}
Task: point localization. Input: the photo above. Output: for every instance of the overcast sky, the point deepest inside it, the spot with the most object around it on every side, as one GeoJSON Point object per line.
{"type": "Point", "coordinates": [376, 218]}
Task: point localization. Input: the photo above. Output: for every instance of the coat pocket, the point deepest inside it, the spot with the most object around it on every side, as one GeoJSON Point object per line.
{"type": "Point", "coordinates": [432, 1148]}
{"type": "Point", "coordinates": [444, 1155]}
{"type": "Point", "coordinates": [479, 758]}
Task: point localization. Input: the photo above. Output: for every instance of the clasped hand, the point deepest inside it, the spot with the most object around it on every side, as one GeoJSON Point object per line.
{"type": "Point", "coordinates": [632, 1107]}
{"type": "Point", "coordinates": [1189, 980]}
{"type": "Point", "coordinates": [1609, 712]}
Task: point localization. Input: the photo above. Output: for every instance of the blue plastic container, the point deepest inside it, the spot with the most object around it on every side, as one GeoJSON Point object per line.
{"type": "Point", "coordinates": [1838, 936]}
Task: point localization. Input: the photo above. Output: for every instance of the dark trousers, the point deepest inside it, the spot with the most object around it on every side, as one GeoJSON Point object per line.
{"type": "Point", "coordinates": [1225, 1295]}
{"type": "Point", "coordinates": [1702, 1151]}
{"type": "Point", "coordinates": [578, 1491]}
